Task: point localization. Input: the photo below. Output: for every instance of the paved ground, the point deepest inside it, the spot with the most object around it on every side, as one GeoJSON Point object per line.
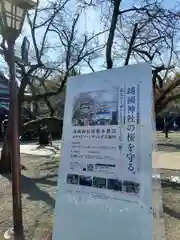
{"type": "Point", "coordinates": [168, 154]}
{"type": "Point", "coordinates": [39, 183]}
{"type": "Point", "coordinates": [35, 149]}
{"type": "Point", "coordinates": [162, 160]}
{"type": "Point", "coordinates": [39, 188]}
{"type": "Point", "coordinates": [167, 160]}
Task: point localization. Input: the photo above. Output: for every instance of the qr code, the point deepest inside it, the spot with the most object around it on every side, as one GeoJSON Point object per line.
{"type": "Point", "coordinates": [90, 167]}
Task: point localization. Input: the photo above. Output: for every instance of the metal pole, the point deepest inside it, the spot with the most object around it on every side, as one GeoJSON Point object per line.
{"type": "Point", "coordinates": [14, 145]}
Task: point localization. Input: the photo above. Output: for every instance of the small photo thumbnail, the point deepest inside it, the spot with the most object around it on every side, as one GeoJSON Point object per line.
{"type": "Point", "coordinates": [131, 187]}
{"type": "Point", "coordinates": [99, 182]}
{"type": "Point", "coordinates": [85, 181]}
{"type": "Point", "coordinates": [72, 179]}
{"type": "Point", "coordinates": [114, 184]}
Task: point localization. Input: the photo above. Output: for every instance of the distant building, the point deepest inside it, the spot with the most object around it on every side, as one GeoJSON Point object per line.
{"type": "Point", "coordinates": [5, 101]}
{"type": "Point", "coordinates": [4, 97]}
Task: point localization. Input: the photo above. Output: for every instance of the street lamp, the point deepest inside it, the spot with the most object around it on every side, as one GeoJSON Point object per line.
{"type": "Point", "coordinates": [12, 15]}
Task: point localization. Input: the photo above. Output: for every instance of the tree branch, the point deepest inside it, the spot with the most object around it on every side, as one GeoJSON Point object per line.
{"type": "Point", "coordinates": [131, 44]}
{"type": "Point", "coordinates": [109, 61]}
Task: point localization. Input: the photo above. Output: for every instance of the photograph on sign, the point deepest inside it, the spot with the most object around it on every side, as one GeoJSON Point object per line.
{"type": "Point", "coordinates": [105, 173]}
{"type": "Point", "coordinates": [95, 108]}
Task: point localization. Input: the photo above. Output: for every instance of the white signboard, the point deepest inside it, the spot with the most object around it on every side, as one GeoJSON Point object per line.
{"type": "Point", "coordinates": [105, 173]}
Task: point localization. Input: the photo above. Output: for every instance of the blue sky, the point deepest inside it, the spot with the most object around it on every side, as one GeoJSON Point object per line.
{"type": "Point", "coordinates": [90, 21]}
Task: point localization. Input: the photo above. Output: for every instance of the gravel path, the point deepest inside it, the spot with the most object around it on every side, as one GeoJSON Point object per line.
{"type": "Point", "coordinates": [170, 190]}
{"type": "Point", "coordinates": [39, 183]}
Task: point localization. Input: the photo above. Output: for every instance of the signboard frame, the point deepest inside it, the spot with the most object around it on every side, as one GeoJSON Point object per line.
{"type": "Point", "coordinates": [86, 206]}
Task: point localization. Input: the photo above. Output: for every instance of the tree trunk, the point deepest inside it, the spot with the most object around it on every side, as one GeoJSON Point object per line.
{"type": "Point", "coordinates": [166, 133]}
{"type": "Point", "coordinates": [166, 130]}
{"type": "Point", "coordinates": [166, 127]}
{"type": "Point", "coordinates": [110, 40]}
{"type": "Point", "coordinates": [5, 163]}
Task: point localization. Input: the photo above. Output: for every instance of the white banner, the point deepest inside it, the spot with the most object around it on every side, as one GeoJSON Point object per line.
{"type": "Point", "coordinates": [105, 173]}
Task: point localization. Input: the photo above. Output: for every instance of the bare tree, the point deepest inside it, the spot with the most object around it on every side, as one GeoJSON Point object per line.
{"type": "Point", "coordinates": [155, 34]}
{"type": "Point", "coordinates": [72, 49]}
{"type": "Point", "coordinates": [146, 32]}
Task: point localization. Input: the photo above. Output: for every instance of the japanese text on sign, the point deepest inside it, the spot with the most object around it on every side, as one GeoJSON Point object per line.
{"type": "Point", "coordinates": [94, 133]}
{"type": "Point", "coordinates": [131, 128]}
